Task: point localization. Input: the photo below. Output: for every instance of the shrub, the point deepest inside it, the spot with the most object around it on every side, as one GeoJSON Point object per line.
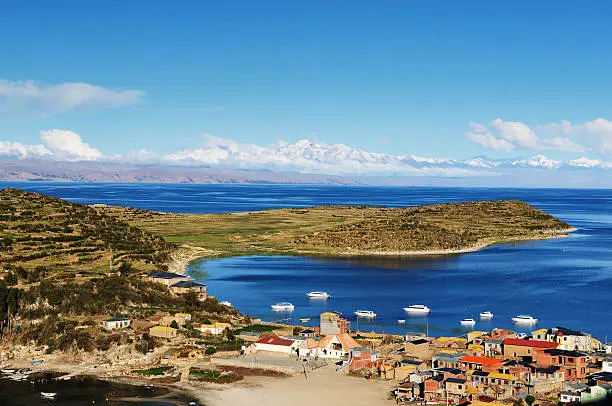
{"type": "Point", "coordinates": [209, 375]}
{"type": "Point", "coordinates": [210, 350]}
{"type": "Point", "coordinates": [151, 371]}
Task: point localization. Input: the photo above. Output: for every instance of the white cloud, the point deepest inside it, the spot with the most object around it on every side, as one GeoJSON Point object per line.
{"type": "Point", "coordinates": [597, 132]}
{"type": "Point", "coordinates": [21, 151]}
{"type": "Point", "coordinates": [38, 98]}
{"type": "Point", "coordinates": [508, 135]}
{"type": "Point", "coordinates": [69, 146]}
{"type": "Point", "coordinates": [481, 135]}
{"type": "Point", "coordinates": [307, 156]}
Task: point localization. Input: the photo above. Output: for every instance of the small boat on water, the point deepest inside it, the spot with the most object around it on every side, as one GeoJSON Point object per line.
{"type": "Point", "coordinates": [368, 314]}
{"type": "Point", "coordinates": [524, 319]}
{"type": "Point", "coordinates": [48, 395]}
{"type": "Point", "coordinates": [486, 315]}
{"type": "Point", "coordinates": [468, 322]}
{"type": "Point", "coordinates": [305, 319]}
{"type": "Point", "coordinates": [283, 307]}
{"type": "Point", "coordinates": [401, 321]}
{"type": "Point", "coordinates": [226, 303]}
{"type": "Point", "coordinates": [417, 309]}
{"type": "Point", "coordinates": [318, 295]}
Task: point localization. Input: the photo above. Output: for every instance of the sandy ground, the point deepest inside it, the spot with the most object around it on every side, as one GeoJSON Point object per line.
{"type": "Point", "coordinates": [324, 386]}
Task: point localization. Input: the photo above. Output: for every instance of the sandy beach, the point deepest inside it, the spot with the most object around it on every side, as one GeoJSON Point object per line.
{"type": "Point", "coordinates": [324, 386]}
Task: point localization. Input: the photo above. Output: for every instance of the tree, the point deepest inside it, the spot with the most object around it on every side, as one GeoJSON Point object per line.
{"type": "Point", "coordinates": [210, 350]}
{"type": "Point", "coordinates": [529, 399]}
{"type": "Point", "coordinates": [11, 278]}
{"type": "Point", "coordinates": [125, 268]}
{"type": "Point", "coordinates": [174, 324]}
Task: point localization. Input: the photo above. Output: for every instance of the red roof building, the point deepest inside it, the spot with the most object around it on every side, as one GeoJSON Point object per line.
{"type": "Point", "coordinates": [525, 349]}
{"type": "Point", "coordinates": [472, 362]}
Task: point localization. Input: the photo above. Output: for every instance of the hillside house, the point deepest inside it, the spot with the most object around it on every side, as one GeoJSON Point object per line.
{"type": "Point", "coordinates": [596, 393]}
{"type": "Point", "coordinates": [332, 323]}
{"type": "Point", "coordinates": [336, 346]}
{"type": "Point", "coordinates": [546, 379]}
{"type": "Point", "coordinates": [573, 363]}
{"type": "Point", "coordinates": [212, 328]}
{"type": "Point", "coordinates": [419, 348]}
{"type": "Point", "coordinates": [163, 332]}
{"type": "Point", "coordinates": [525, 349]}
{"type": "Point", "coordinates": [434, 388]}
{"type": "Point", "coordinates": [493, 348]}
{"type": "Point", "coordinates": [166, 278]}
{"type": "Point", "coordinates": [187, 286]}
{"type": "Point", "coordinates": [360, 357]}
{"type": "Point", "coordinates": [447, 360]}
{"type": "Point", "coordinates": [115, 323]}
{"type": "Point", "coordinates": [273, 344]}
{"type": "Point", "coordinates": [502, 334]}
{"type": "Point", "coordinates": [405, 391]}
{"type": "Point", "coordinates": [456, 388]}
{"type": "Point", "coordinates": [472, 362]}
{"type": "Point", "coordinates": [493, 384]}
{"type": "Point", "coordinates": [570, 340]}
{"type": "Point", "coordinates": [606, 365]}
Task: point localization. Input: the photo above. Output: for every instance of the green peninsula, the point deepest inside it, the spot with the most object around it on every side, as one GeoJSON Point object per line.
{"type": "Point", "coordinates": [352, 230]}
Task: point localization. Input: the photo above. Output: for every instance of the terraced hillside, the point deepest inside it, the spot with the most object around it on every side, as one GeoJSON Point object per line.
{"type": "Point", "coordinates": [38, 230]}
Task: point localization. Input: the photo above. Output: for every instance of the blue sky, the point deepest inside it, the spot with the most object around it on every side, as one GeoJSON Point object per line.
{"type": "Point", "coordinates": [392, 77]}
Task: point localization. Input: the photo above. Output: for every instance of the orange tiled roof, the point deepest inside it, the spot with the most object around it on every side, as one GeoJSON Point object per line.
{"type": "Point", "coordinates": [480, 360]}
{"type": "Point", "coordinates": [345, 339]}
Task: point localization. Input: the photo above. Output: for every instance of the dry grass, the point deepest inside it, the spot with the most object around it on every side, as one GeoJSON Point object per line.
{"type": "Point", "coordinates": [350, 230]}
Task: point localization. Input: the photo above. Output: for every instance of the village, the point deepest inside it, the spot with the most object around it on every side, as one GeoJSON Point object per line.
{"type": "Point", "coordinates": [549, 366]}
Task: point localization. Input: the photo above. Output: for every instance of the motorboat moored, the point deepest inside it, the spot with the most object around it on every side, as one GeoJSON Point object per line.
{"type": "Point", "coordinates": [486, 315]}
{"type": "Point", "coordinates": [417, 309]}
{"type": "Point", "coordinates": [283, 307]}
{"type": "Point", "coordinates": [524, 319]}
{"type": "Point", "coordinates": [304, 319]}
{"type": "Point", "coordinates": [48, 395]}
{"type": "Point", "coordinates": [318, 295]}
{"type": "Point", "coordinates": [368, 314]}
{"type": "Point", "coordinates": [468, 322]}
{"type": "Point", "coordinates": [401, 321]}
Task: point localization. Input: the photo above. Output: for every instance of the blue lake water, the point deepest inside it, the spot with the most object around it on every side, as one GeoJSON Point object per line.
{"type": "Point", "coordinates": [564, 282]}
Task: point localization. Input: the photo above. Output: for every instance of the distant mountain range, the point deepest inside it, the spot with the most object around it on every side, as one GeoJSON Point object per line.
{"type": "Point", "coordinates": [535, 172]}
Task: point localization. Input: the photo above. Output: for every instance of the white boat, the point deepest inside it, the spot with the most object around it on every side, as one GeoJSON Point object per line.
{"type": "Point", "coordinates": [318, 295]}
{"type": "Point", "coordinates": [7, 371]}
{"type": "Point", "coordinates": [48, 394]}
{"type": "Point", "coordinates": [468, 322]}
{"type": "Point", "coordinates": [305, 319]}
{"type": "Point", "coordinates": [417, 309]}
{"type": "Point", "coordinates": [369, 314]}
{"type": "Point", "coordinates": [283, 307]}
{"type": "Point", "coordinates": [401, 321]}
{"type": "Point", "coordinates": [226, 303]}
{"type": "Point", "coordinates": [524, 319]}
{"type": "Point", "coordinates": [486, 315]}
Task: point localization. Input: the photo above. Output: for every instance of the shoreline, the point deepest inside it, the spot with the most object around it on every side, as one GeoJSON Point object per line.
{"type": "Point", "coordinates": [192, 253]}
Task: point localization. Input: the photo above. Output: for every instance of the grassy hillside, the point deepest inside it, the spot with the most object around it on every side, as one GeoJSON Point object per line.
{"type": "Point", "coordinates": [38, 230]}
{"type": "Point", "coordinates": [333, 230]}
